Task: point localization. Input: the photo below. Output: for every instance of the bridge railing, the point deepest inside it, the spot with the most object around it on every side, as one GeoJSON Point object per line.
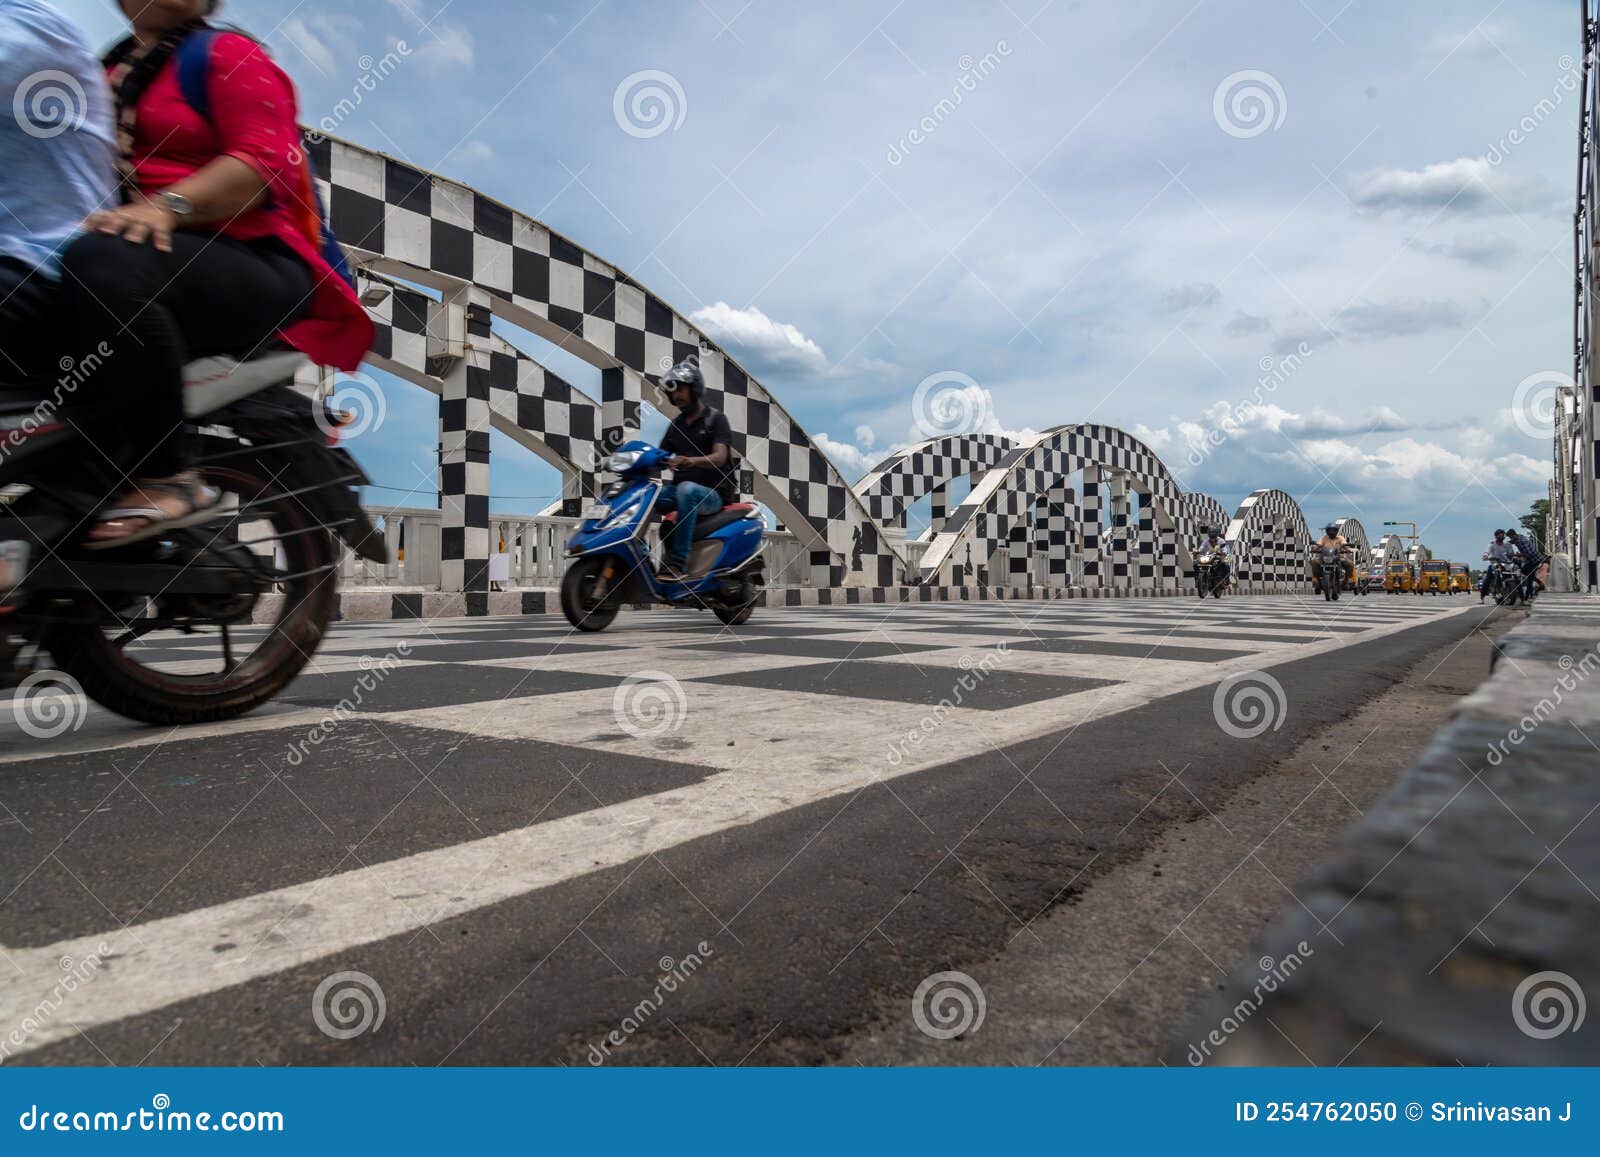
{"type": "Point", "coordinates": [534, 547]}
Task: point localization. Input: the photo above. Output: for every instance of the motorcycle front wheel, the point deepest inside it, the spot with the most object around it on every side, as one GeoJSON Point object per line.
{"type": "Point", "coordinates": [586, 607]}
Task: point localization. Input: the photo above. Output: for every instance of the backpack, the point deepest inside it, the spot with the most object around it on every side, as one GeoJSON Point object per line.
{"type": "Point", "coordinates": [193, 58]}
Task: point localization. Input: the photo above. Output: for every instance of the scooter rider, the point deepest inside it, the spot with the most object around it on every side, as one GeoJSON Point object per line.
{"type": "Point", "coordinates": [1332, 540]}
{"type": "Point", "coordinates": [701, 445]}
{"type": "Point", "coordinates": [1214, 544]}
{"type": "Point", "coordinates": [1532, 559]}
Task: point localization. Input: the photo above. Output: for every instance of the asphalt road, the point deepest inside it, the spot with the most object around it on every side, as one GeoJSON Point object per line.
{"type": "Point", "coordinates": [670, 843]}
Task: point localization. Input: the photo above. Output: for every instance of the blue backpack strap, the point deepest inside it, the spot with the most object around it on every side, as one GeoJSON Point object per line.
{"type": "Point", "coordinates": [194, 69]}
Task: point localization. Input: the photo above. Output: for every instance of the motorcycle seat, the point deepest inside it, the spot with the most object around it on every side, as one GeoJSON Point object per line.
{"type": "Point", "coordinates": [709, 524]}
{"type": "Point", "coordinates": [209, 383]}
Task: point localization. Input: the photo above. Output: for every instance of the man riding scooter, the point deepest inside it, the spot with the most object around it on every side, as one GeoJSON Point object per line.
{"type": "Point", "coordinates": [701, 445]}
{"type": "Point", "coordinates": [1499, 551]}
{"type": "Point", "coordinates": [1218, 548]}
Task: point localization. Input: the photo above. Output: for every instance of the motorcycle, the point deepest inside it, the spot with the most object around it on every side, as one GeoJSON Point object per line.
{"type": "Point", "coordinates": [1330, 573]}
{"type": "Point", "coordinates": [107, 617]}
{"type": "Point", "coordinates": [1507, 583]}
{"type": "Point", "coordinates": [611, 563]}
{"type": "Point", "coordinates": [1208, 578]}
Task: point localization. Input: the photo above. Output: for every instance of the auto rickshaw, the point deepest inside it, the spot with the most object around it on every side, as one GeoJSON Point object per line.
{"type": "Point", "coordinates": [1398, 579]}
{"type": "Point", "coordinates": [1460, 577]}
{"type": "Point", "coordinates": [1435, 577]}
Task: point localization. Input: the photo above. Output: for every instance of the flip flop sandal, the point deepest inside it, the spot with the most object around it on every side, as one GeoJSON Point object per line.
{"type": "Point", "coordinates": [203, 501]}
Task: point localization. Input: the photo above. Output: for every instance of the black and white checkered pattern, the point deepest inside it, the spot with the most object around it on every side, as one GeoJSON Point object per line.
{"type": "Point", "coordinates": [1100, 453]}
{"type": "Point", "coordinates": [1271, 544]}
{"type": "Point", "coordinates": [400, 220]}
{"type": "Point", "coordinates": [528, 402]}
{"type": "Point", "coordinates": [909, 475]}
{"type": "Point", "coordinates": [1356, 535]}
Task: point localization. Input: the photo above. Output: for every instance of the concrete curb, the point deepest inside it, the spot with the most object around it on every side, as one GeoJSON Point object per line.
{"type": "Point", "coordinates": [1457, 922]}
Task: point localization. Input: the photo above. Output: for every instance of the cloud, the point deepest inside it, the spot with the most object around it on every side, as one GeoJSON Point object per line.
{"type": "Point", "coordinates": [1186, 298]}
{"type": "Point", "coordinates": [1377, 321]}
{"type": "Point", "coordinates": [1464, 185]}
{"type": "Point", "coordinates": [468, 151]}
{"type": "Point", "coordinates": [852, 460]}
{"type": "Point", "coordinates": [1484, 40]}
{"type": "Point", "coordinates": [1246, 325]}
{"type": "Point", "coordinates": [310, 44]}
{"type": "Point", "coordinates": [767, 343]}
{"type": "Point", "coordinates": [1485, 250]}
{"type": "Point", "coordinates": [435, 39]}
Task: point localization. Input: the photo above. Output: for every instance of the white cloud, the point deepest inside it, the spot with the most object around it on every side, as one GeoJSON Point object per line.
{"type": "Point", "coordinates": [473, 151]}
{"type": "Point", "coordinates": [435, 39]}
{"type": "Point", "coordinates": [1464, 185]}
{"type": "Point", "coordinates": [311, 45]}
{"type": "Point", "coordinates": [851, 460]}
{"type": "Point", "coordinates": [767, 342]}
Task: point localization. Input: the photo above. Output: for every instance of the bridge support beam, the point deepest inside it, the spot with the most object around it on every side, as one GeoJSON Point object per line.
{"type": "Point", "coordinates": [1090, 532]}
{"type": "Point", "coordinates": [464, 464]}
{"type": "Point", "coordinates": [1121, 515]}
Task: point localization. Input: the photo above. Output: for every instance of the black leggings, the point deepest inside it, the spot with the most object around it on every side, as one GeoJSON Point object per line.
{"type": "Point", "coordinates": [155, 311]}
{"type": "Point", "coordinates": [30, 322]}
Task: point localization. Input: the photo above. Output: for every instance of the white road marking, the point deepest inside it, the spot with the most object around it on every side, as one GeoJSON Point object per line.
{"type": "Point", "coordinates": [163, 962]}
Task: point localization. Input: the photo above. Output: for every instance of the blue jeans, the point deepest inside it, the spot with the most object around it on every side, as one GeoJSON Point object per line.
{"type": "Point", "coordinates": [690, 500]}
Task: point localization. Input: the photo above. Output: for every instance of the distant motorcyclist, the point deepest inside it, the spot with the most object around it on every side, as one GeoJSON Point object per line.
{"type": "Point", "coordinates": [1500, 551]}
{"type": "Point", "coordinates": [1214, 544]}
{"type": "Point", "coordinates": [1332, 540]}
{"type": "Point", "coordinates": [701, 445]}
{"type": "Point", "coordinates": [1532, 560]}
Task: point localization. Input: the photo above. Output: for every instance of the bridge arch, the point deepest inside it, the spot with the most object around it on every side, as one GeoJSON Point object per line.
{"type": "Point", "coordinates": [908, 475]}
{"type": "Point", "coordinates": [1271, 543]}
{"type": "Point", "coordinates": [1113, 463]}
{"type": "Point", "coordinates": [488, 259]}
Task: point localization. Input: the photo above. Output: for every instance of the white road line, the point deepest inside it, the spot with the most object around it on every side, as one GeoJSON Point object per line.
{"type": "Point", "coordinates": [166, 961]}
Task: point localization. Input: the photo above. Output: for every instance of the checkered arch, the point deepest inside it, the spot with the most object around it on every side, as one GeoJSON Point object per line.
{"type": "Point", "coordinates": [1356, 535]}
{"type": "Point", "coordinates": [1271, 544]}
{"type": "Point", "coordinates": [1114, 463]}
{"type": "Point", "coordinates": [400, 220]}
{"type": "Point", "coordinates": [535, 407]}
{"type": "Point", "coordinates": [903, 478]}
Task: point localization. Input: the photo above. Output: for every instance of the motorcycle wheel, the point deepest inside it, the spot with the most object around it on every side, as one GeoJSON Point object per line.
{"type": "Point", "coordinates": [97, 655]}
{"type": "Point", "coordinates": [578, 603]}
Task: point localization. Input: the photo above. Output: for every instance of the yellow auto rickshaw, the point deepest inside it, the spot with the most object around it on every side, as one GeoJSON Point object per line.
{"type": "Point", "coordinates": [1460, 577]}
{"type": "Point", "coordinates": [1435, 577]}
{"type": "Point", "coordinates": [1398, 579]}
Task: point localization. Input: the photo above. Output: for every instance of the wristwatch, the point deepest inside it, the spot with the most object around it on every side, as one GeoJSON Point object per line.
{"type": "Point", "coordinates": [175, 203]}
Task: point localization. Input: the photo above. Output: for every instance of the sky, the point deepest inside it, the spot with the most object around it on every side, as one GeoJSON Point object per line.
{"type": "Point", "coordinates": [1318, 245]}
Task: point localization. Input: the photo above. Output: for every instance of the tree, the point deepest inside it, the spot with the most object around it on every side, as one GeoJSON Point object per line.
{"type": "Point", "coordinates": [1537, 521]}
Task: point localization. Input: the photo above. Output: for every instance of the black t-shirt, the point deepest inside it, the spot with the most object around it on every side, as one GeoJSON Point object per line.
{"type": "Point", "coordinates": [696, 438]}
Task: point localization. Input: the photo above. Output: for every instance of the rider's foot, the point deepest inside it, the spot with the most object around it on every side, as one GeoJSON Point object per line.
{"type": "Point", "coordinates": [673, 571]}
{"type": "Point", "coordinates": [152, 505]}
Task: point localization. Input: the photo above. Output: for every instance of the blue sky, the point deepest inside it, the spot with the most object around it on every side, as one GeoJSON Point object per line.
{"type": "Point", "coordinates": [1094, 232]}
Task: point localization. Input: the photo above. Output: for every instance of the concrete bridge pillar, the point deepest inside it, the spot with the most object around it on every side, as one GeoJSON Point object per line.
{"type": "Point", "coordinates": [464, 462]}
{"type": "Point", "coordinates": [1146, 547]}
{"type": "Point", "coordinates": [1090, 531]}
{"type": "Point", "coordinates": [1120, 569]}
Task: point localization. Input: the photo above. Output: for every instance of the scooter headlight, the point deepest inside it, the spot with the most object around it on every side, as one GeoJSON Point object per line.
{"type": "Point", "coordinates": [622, 461]}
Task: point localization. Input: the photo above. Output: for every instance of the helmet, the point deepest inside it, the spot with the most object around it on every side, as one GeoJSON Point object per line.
{"type": "Point", "coordinates": [686, 372]}
{"type": "Point", "coordinates": [1332, 528]}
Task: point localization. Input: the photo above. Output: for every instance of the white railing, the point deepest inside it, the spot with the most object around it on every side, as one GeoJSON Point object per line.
{"type": "Point", "coordinates": [534, 546]}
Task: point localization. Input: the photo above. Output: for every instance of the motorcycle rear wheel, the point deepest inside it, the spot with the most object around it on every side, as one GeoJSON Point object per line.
{"type": "Point", "coordinates": [96, 654]}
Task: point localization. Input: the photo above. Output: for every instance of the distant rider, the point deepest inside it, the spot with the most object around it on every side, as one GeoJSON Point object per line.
{"type": "Point", "coordinates": [701, 445]}
{"type": "Point", "coordinates": [1499, 551]}
{"type": "Point", "coordinates": [1214, 544]}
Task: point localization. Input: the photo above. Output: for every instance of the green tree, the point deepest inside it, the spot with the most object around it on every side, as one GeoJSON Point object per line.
{"type": "Point", "coordinates": [1536, 521]}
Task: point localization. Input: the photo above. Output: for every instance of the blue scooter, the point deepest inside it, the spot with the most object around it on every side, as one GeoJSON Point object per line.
{"type": "Point", "coordinates": [611, 563]}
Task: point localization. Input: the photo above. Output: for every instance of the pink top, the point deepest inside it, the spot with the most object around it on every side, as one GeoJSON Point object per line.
{"type": "Point", "coordinates": [253, 117]}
